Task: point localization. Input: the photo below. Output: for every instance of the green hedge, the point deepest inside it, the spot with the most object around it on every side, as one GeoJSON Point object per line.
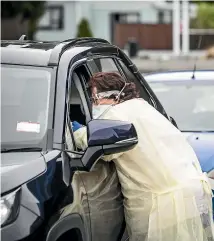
{"type": "Point", "coordinates": [83, 29]}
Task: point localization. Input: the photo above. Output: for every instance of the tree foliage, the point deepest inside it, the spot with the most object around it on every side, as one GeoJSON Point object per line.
{"type": "Point", "coordinates": [31, 11]}
{"type": "Point", "coordinates": [205, 16]}
{"type": "Point", "coordinates": [191, 1]}
{"type": "Point", "coordinates": [83, 29]}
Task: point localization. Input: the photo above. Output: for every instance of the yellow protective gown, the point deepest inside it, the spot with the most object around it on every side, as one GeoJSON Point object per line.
{"type": "Point", "coordinates": [166, 195]}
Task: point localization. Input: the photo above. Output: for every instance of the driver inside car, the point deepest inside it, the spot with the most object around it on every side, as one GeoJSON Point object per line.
{"type": "Point", "coordinates": [167, 197]}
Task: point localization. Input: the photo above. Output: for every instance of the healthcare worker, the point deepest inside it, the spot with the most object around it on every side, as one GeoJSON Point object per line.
{"type": "Point", "coordinates": [167, 197]}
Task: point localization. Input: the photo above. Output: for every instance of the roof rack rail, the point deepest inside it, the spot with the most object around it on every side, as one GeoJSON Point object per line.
{"type": "Point", "coordinates": [86, 39]}
{"type": "Point", "coordinates": [71, 43]}
{"type": "Point", "coordinates": [23, 37]}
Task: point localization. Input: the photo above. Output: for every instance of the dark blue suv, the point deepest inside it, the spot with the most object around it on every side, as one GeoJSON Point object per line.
{"type": "Point", "coordinates": [49, 191]}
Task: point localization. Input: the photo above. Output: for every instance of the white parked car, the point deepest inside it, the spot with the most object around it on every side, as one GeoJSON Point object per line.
{"type": "Point", "coordinates": [189, 98]}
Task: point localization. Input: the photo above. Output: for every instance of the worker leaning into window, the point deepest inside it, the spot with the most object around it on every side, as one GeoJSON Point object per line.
{"type": "Point", "coordinates": [166, 195]}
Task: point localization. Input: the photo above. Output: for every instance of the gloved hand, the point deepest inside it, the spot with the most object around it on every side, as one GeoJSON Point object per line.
{"type": "Point", "coordinates": [75, 125]}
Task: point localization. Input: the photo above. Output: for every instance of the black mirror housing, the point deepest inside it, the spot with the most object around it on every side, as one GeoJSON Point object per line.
{"type": "Point", "coordinates": [106, 137]}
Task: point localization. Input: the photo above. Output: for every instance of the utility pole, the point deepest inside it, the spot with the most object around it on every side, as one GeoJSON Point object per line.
{"type": "Point", "coordinates": [176, 27]}
{"type": "Point", "coordinates": [185, 27]}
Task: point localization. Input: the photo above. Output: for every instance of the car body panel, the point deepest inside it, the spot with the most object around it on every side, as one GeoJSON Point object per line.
{"type": "Point", "coordinates": [203, 145]}
{"type": "Point", "coordinates": [45, 197]}
{"type": "Point", "coordinates": [22, 166]}
{"type": "Point", "coordinates": [26, 223]}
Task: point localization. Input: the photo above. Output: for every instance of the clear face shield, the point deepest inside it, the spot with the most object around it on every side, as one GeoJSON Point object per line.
{"type": "Point", "coordinates": [99, 107]}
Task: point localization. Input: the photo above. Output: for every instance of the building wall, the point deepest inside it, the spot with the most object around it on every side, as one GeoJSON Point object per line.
{"type": "Point", "coordinates": [148, 36]}
{"type": "Point", "coordinates": [98, 15]}
{"type": "Point", "coordinates": [69, 30]}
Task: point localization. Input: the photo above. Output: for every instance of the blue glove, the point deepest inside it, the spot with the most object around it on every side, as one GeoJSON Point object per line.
{"type": "Point", "coordinates": [75, 125]}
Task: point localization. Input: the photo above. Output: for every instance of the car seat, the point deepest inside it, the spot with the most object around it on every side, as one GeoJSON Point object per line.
{"type": "Point", "coordinates": [76, 111]}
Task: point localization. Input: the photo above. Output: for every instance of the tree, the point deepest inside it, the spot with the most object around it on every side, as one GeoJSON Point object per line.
{"type": "Point", "coordinates": [84, 29]}
{"type": "Point", "coordinates": [192, 1]}
{"type": "Point", "coordinates": [205, 16]}
{"type": "Point", "coordinates": [30, 11]}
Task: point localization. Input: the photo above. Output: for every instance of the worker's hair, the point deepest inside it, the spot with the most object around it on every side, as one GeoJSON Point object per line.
{"type": "Point", "coordinates": [108, 81]}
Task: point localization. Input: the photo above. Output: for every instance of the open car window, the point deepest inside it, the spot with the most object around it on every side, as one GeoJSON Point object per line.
{"type": "Point", "coordinates": [109, 64]}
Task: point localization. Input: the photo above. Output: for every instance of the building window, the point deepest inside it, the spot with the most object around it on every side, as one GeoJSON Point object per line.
{"type": "Point", "coordinates": [127, 17]}
{"type": "Point", "coordinates": [161, 17]}
{"type": "Point", "coordinates": [168, 17]}
{"type": "Point", "coordinates": [53, 18]}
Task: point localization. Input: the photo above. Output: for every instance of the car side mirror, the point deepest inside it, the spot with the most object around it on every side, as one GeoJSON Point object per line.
{"type": "Point", "coordinates": [172, 120]}
{"type": "Point", "coordinates": [106, 137]}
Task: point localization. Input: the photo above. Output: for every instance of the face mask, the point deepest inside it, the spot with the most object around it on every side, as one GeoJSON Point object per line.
{"type": "Point", "coordinates": [98, 110]}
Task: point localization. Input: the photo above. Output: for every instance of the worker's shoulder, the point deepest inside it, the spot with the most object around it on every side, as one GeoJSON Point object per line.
{"type": "Point", "coordinates": [128, 108]}
{"type": "Point", "coordinates": [132, 104]}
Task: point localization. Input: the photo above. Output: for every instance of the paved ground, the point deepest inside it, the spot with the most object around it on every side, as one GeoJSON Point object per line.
{"type": "Point", "coordinates": [151, 61]}
{"type": "Point", "coordinates": [172, 64]}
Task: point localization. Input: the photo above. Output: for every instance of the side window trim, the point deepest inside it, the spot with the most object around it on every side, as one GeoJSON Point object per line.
{"type": "Point", "coordinates": [67, 119]}
{"type": "Point", "coordinates": [73, 76]}
{"type": "Point", "coordinates": [83, 80]}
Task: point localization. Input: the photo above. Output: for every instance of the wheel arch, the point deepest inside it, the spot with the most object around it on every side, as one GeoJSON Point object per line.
{"type": "Point", "coordinates": [70, 223]}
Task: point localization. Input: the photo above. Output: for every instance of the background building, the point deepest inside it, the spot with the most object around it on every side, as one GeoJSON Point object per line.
{"type": "Point", "coordinates": [62, 17]}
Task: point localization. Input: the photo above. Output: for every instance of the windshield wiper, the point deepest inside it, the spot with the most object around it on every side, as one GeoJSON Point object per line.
{"type": "Point", "coordinates": [23, 149]}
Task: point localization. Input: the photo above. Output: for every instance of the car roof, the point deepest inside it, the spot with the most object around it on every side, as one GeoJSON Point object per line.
{"type": "Point", "coordinates": [42, 53]}
{"type": "Point", "coordinates": [186, 75]}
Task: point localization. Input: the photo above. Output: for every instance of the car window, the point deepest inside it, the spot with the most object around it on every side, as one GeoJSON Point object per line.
{"type": "Point", "coordinates": [112, 65]}
{"type": "Point", "coordinates": [105, 65]}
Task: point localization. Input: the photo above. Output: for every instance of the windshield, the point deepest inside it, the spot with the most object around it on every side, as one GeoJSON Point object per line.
{"type": "Point", "coordinates": [190, 104]}
{"type": "Point", "coordinates": [24, 105]}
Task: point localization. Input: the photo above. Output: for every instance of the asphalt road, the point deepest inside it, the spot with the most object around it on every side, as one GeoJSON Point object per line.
{"type": "Point", "coordinates": [157, 65]}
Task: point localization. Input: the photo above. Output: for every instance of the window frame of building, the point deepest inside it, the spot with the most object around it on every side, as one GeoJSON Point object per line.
{"type": "Point", "coordinates": [123, 17]}
{"type": "Point", "coordinates": [52, 21]}
{"type": "Point", "coordinates": [161, 16]}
